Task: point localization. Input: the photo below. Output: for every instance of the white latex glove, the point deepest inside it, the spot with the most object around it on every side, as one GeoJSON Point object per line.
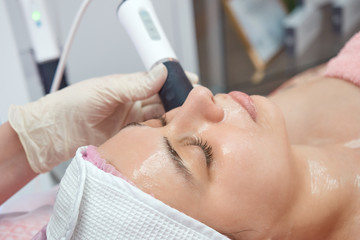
{"type": "Point", "coordinates": [87, 113]}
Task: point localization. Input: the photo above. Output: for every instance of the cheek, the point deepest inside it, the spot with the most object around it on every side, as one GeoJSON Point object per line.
{"type": "Point", "coordinates": [266, 167]}
{"type": "Point", "coordinates": [158, 177]}
{"type": "Point", "coordinates": [253, 180]}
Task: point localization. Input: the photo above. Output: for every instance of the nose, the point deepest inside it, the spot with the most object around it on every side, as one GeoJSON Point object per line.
{"type": "Point", "coordinates": [200, 106]}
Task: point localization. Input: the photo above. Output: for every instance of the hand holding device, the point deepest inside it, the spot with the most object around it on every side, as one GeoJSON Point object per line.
{"type": "Point", "coordinates": [89, 112]}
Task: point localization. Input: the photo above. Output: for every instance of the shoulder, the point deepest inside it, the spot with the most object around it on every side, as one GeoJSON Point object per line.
{"type": "Point", "coordinates": [305, 77]}
{"type": "Point", "coordinates": [321, 111]}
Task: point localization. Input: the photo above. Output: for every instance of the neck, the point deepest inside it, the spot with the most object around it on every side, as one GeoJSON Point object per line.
{"type": "Point", "coordinates": [327, 201]}
{"type": "Point", "coordinates": [325, 111]}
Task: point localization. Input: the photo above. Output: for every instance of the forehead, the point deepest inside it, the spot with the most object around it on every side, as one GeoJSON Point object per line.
{"type": "Point", "coordinates": [128, 149]}
{"type": "Point", "coordinates": [138, 153]}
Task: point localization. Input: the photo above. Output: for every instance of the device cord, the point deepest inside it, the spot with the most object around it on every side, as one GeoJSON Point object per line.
{"type": "Point", "coordinates": [69, 40]}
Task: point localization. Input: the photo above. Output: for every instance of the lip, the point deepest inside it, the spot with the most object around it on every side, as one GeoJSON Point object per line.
{"type": "Point", "coordinates": [245, 101]}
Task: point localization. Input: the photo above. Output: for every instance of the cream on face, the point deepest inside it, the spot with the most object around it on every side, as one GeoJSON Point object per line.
{"type": "Point", "coordinates": [250, 176]}
{"type": "Point", "coordinates": [357, 181]}
{"type": "Point", "coordinates": [150, 168]}
{"type": "Point", "coordinates": [321, 179]}
{"type": "Point", "coordinates": [140, 153]}
{"type": "Point", "coordinates": [354, 144]}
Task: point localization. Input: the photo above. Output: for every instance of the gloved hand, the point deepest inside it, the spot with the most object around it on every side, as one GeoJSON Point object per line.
{"type": "Point", "coordinates": [87, 113]}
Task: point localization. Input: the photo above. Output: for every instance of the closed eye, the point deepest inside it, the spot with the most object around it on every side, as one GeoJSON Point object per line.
{"type": "Point", "coordinates": [206, 148]}
{"type": "Point", "coordinates": [196, 141]}
{"type": "Point", "coordinates": [179, 162]}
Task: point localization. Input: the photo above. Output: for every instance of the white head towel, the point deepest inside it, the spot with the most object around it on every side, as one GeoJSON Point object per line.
{"type": "Point", "coordinates": [93, 204]}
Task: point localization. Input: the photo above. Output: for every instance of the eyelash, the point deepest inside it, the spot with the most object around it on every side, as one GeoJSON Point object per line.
{"type": "Point", "coordinates": [163, 120]}
{"type": "Point", "coordinates": [207, 149]}
{"type": "Point", "coordinates": [196, 141]}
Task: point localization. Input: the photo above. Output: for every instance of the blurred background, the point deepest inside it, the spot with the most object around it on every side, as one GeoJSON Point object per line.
{"type": "Point", "coordinates": [248, 45]}
{"type": "Point", "coordinates": [245, 45]}
{"type": "Point", "coordinates": [321, 27]}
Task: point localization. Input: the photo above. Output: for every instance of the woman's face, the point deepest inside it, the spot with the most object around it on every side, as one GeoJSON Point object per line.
{"type": "Point", "coordinates": [224, 160]}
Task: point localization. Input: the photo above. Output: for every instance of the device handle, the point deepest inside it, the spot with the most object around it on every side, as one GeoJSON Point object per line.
{"type": "Point", "coordinates": [140, 21]}
{"type": "Point", "coordinates": [176, 88]}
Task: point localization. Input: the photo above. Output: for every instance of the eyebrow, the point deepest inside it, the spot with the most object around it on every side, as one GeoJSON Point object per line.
{"type": "Point", "coordinates": [178, 161]}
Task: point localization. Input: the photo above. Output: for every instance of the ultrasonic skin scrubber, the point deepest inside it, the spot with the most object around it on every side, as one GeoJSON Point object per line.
{"type": "Point", "coordinates": [140, 21]}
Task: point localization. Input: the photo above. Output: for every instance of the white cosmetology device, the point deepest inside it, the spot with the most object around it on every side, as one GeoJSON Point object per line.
{"type": "Point", "coordinates": [42, 37]}
{"type": "Point", "coordinates": [140, 21]}
{"type": "Point", "coordinates": [43, 40]}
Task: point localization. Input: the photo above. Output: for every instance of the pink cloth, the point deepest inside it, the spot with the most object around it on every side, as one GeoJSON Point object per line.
{"type": "Point", "coordinates": [24, 225]}
{"type": "Point", "coordinates": [346, 65]}
{"type": "Point", "coordinates": [41, 235]}
{"type": "Point", "coordinates": [23, 218]}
